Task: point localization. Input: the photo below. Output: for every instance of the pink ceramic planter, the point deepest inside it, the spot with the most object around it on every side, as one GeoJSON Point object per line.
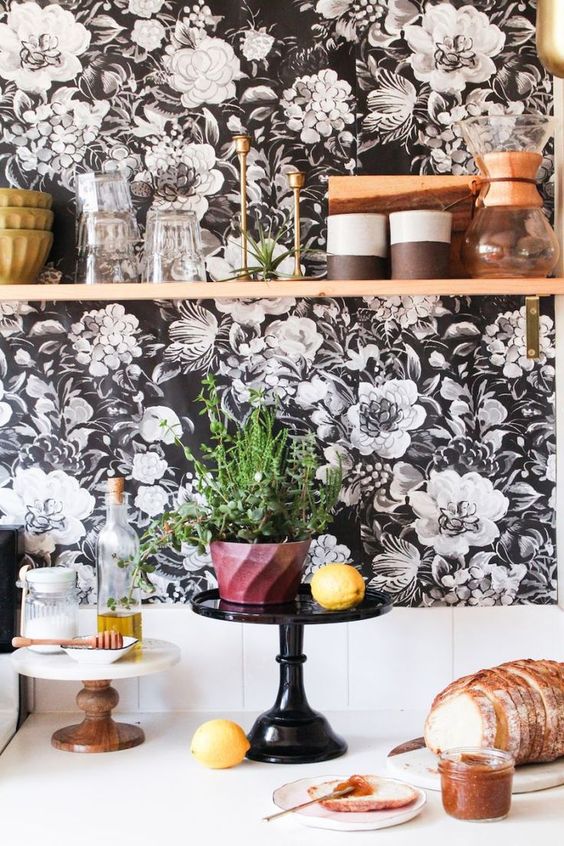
{"type": "Point", "coordinates": [260, 573]}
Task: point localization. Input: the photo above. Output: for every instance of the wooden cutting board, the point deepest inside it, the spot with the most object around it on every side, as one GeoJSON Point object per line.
{"type": "Point", "coordinates": [413, 762]}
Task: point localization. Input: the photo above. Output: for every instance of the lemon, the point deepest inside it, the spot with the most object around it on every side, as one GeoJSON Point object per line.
{"type": "Point", "coordinates": [219, 744]}
{"type": "Point", "coordinates": [337, 587]}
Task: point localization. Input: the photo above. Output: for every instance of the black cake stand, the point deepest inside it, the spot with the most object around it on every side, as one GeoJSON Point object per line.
{"type": "Point", "coordinates": [291, 732]}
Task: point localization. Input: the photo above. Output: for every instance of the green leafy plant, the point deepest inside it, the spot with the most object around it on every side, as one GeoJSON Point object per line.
{"type": "Point", "coordinates": [256, 482]}
{"type": "Point", "coordinates": [263, 264]}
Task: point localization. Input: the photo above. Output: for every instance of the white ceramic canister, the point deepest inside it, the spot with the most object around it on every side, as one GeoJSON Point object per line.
{"type": "Point", "coordinates": [357, 246]}
{"type": "Point", "coordinates": [420, 244]}
{"type": "Point", "coordinates": [49, 605]}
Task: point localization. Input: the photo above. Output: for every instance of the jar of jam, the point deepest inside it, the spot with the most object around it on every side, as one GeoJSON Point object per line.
{"type": "Point", "coordinates": [476, 783]}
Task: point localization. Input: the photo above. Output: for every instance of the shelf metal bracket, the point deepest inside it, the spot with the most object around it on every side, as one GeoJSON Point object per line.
{"type": "Point", "coordinates": [532, 315]}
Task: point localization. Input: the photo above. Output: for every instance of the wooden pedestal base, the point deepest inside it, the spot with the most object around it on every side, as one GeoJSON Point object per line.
{"type": "Point", "coordinates": [97, 732]}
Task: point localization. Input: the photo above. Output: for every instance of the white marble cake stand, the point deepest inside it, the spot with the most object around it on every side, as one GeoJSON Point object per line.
{"type": "Point", "coordinates": [98, 732]}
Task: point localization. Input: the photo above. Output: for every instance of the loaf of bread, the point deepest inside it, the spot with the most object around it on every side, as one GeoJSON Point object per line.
{"type": "Point", "coordinates": [517, 707]}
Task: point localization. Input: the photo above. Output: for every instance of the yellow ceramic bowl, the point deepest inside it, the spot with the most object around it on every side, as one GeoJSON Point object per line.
{"type": "Point", "coordinates": [14, 218]}
{"type": "Point", "coordinates": [23, 253]}
{"type": "Point", "coordinates": [25, 199]}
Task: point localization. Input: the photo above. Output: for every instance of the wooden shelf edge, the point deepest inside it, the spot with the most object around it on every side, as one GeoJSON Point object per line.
{"type": "Point", "coordinates": [317, 288]}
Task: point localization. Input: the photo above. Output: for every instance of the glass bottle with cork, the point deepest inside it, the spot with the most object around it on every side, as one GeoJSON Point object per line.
{"type": "Point", "coordinates": [119, 601]}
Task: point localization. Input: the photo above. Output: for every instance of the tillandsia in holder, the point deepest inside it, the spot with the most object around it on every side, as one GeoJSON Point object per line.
{"type": "Point", "coordinates": [267, 254]}
{"type": "Point", "coordinates": [257, 497]}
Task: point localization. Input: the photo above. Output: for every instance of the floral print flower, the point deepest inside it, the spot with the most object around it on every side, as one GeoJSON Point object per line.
{"type": "Point", "coordinates": [145, 8]}
{"type": "Point", "coordinates": [506, 341]}
{"type": "Point", "coordinates": [325, 549]}
{"type": "Point", "coordinates": [40, 46]}
{"type": "Point", "coordinates": [483, 582]}
{"type": "Point", "coordinates": [160, 423]}
{"type": "Point", "coordinates": [171, 156]}
{"type": "Point", "coordinates": [205, 73]}
{"type": "Point", "coordinates": [453, 47]}
{"type": "Point", "coordinates": [457, 512]}
{"type": "Point", "coordinates": [251, 312]}
{"type": "Point", "coordinates": [148, 467]}
{"type": "Point", "coordinates": [105, 339]}
{"type": "Point", "coordinates": [151, 499]}
{"type": "Point", "coordinates": [382, 18]}
{"type": "Point", "coordinates": [318, 105]}
{"type": "Point", "coordinates": [384, 418]}
{"type": "Point", "coordinates": [51, 506]}
{"type": "Point", "coordinates": [148, 34]}
{"type": "Point", "coordinates": [256, 44]}
{"type": "Point", "coordinates": [406, 311]}
{"type": "Point", "coordinates": [296, 337]}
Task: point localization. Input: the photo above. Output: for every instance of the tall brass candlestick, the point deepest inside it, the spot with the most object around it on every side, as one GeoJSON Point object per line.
{"type": "Point", "coordinates": [296, 181]}
{"type": "Point", "coordinates": [242, 147]}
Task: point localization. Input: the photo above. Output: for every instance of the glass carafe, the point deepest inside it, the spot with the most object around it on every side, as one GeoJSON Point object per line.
{"type": "Point", "coordinates": [509, 234]}
{"type": "Point", "coordinates": [119, 601]}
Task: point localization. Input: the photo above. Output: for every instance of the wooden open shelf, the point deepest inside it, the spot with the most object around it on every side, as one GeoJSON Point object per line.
{"type": "Point", "coordinates": [283, 288]}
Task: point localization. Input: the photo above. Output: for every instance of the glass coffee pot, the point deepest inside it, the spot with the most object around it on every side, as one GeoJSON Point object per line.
{"type": "Point", "coordinates": [509, 234]}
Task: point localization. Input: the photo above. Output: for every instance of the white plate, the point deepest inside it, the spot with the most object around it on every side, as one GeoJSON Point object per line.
{"type": "Point", "coordinates": [316, 816]}
{"type": "Point", "coordinates": [420, 767]}
{"type": "Point", "coordinates": [100, 656]}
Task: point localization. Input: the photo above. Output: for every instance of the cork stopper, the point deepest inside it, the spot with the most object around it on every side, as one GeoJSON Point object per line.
{"type": "Point", "coordinates": [115, 486]}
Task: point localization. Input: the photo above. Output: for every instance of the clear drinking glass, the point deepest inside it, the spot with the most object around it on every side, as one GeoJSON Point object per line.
{"type": "Point", "coordinates": [173, 247]}
{"type": "Point", "coordinates": [106, 248]}
{"type": "Point", "coordinates": [102, 192]}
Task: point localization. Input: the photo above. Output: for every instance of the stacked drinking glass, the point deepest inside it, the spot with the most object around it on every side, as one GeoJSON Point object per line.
{"type": "Point", "coordinates": [106, 229]}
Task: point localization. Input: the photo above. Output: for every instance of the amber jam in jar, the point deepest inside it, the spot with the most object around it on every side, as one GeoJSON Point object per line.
{"type": "Point", "coordinates": [476, 783]}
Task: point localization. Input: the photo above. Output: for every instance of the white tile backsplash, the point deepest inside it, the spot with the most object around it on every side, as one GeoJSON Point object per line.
{"type": "Point", "coordinates": [399, 661]}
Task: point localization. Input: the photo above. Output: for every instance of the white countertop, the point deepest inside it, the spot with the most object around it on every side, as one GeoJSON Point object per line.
{"type": "Point", "coordinates": [157, 794]}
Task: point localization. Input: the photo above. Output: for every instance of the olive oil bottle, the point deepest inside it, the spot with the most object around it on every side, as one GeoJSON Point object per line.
{"type": "Point", "coordinates": [119, 601]}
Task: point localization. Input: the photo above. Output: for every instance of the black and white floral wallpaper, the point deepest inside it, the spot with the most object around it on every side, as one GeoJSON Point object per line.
{"type": "Point", "coordinates": [443, 426]}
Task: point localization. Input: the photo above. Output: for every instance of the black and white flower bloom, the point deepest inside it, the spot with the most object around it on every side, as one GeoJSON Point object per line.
{"type": "Point", "coordinates": [385, 416]}
{"type": "Point", "coordinates": [296, 337]}
{"type": "Point", "coordinates": [325, 549]}
{"type": "Point", "coordinates": [148, 34]}
{"type": "Point", "coordinates": [51, 506]}
{"type": "Point", "coordinates": [160, 424]}
{"type": "Point", "coordinates": [453, 47]}
{"type": "Point", "coordinates": [506, 340]}
{"type": "Point", "coordinates": [151, 499]}
{"type": "Point", "coordinates": [318, 106]}
{"type": "Point", "coordinates": [197, 162]}
{"type": "Point", "coordinates": [205, 73]}
{"type": "Point", "coordinates": [40, 46]}
{"type": "Point", "coordinates": [457, 512]}
{"type": "Point", "coordinates": [148, 467]}
{"type": "Point", "coordinates": [483, 582]}
{"type": "Point", "coordinates": [256, 44]}
{"type": "Point", "coordinates": [106, 339]}
{"type": "Point", "coordinates": [145, 8]}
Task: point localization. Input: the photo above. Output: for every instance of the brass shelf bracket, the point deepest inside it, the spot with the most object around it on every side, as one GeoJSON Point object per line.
{"type": "Point", "coordinates": [532, 321]}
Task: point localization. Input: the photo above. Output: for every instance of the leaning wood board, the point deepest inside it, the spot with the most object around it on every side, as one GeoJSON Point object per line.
{"type": "Point", "coordinates": [385, 194]}
{"type": "Point", "coordinates": [413, 762]}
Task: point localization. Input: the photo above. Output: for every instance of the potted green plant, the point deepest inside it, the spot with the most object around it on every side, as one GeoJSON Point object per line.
{"type": "Point", "coordinates": [258, 504]}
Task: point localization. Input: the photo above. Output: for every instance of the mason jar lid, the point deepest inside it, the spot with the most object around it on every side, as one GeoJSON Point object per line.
{"type": "Point", "coordinates": [51, 578]}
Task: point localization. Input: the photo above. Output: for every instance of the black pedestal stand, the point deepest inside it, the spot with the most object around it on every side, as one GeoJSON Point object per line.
{"type": "Point", "coordinates": [291, 732]}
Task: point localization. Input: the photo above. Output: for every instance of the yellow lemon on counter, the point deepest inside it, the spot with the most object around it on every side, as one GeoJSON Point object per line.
{"type": "Point", "coordinates": [220, 744]}
{"type": "Point", "coordinates": [337, 587]}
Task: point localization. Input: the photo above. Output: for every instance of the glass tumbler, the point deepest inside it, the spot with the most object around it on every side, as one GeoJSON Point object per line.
{"type": "Point", "coordinates": [173, 247]}
{"type": "Point", "coordinates": [106, 248]}
{"type": "Point", "coordinates": [102, 192]}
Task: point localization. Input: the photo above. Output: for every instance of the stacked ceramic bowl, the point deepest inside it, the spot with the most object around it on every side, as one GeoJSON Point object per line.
{"type": "Point", "coordinates": [26, 221]}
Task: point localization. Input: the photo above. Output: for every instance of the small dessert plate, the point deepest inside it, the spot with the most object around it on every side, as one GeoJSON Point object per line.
{"type": "Point", "coordinates": [99, 656]}
{"type": "Point", "coordinates": [315, 816]}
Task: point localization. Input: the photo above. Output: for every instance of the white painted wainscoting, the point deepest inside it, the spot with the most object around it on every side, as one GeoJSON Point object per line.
{"type": "Point", "coordinates": [397, 662]}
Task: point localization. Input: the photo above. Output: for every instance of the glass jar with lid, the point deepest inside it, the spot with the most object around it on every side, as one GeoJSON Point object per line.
{"type": "Point", "coordinates": [49, 604]}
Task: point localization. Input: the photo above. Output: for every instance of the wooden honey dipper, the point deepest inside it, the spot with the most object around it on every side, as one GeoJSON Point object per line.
{"type": "Point", "coordinates": [103, 640]}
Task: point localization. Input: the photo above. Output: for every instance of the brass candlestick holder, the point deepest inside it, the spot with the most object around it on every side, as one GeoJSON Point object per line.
{"type": "Point", "coordinates": [296, 181]}
{"type": "Point", "coordinates": [242, 147]}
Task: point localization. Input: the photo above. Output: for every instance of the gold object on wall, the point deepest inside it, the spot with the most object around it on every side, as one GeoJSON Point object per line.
{"type": "Point", "coordinates": [550, 35]}
{"type": "Point", "coordinates": [296, 181]}
{"type": "Point", "coordinates": [242, 147]}
{"type": "Point", "coordinates": [532, 321]}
